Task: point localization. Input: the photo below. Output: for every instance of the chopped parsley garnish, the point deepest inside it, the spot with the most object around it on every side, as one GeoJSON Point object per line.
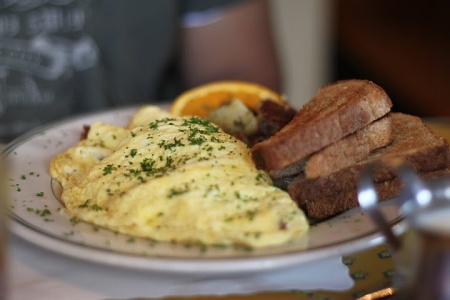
{"type": "Point", "coordinates": [95, 207]}
{"type": "Point", "coordinates": [74, 220]}
{"type": "Point", "coordinates": [178, 190]}
{"type": "Point", "coordinates": [170, 146]}
{"type": "Point", "coordinates": [44, 212]}
{"type": "Point", "coordinates": [85, 204]}
{"type": "Point", "coordinates": [108, 169]}
{"type": "Point", "coordinates": [147, 164]}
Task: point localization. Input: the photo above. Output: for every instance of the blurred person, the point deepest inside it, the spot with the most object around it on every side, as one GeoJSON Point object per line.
{"type": "Point", "coordinates": [63, 57]}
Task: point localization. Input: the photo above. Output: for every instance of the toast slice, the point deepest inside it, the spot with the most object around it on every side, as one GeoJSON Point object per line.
{"type": "Point", "coordinates": [336, 111]}
{"type": "Point", "coordinates": [414, 143]}
{"type": "Point", "coordinates": [326, 207]}
{"type": "Point", "coordinates": [342, 153]}
{"type": "Point", "coordinates": [351, 149]}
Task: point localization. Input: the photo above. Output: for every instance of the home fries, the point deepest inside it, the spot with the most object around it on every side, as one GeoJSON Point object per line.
{"type": "Point", "coordinates": [177, 179]}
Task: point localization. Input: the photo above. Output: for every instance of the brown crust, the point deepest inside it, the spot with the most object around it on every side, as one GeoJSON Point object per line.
{"type": "Point", "coordinates": [327, 206]}
{"type": "Point", "coordinates": [336, 111]}
{"type": "Point", "coordinates": [350, 149]}
{"type": "Point", "coordinates": [414, 143]}
{"type": "Point", "coordinates": [343, 152]}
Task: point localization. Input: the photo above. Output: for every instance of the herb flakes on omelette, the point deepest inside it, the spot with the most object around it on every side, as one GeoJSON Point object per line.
{"type": "Point", "coordinates": [178, 179]}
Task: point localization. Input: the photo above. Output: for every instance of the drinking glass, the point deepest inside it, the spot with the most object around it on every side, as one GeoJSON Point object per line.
{"type": "Point", "coordinates": [422, 251]}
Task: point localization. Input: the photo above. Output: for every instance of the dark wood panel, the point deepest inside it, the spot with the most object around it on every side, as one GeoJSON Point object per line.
{"type": "Point", "coordinates": [402, 45]}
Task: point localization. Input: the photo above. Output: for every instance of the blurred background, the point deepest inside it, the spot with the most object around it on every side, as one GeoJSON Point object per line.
{"type": "Point", "coordinates": [404, 46]}
{"type": "Point", "coordinates": [62, 57]}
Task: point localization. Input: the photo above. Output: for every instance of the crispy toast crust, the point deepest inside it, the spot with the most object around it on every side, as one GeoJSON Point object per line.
{"type": "Point", "coordinates": [326, 207]}
{"type": "Point", "coordinates": [336, 111]}
{"type": "Point", "coordinates": [414, 143]}
{"type": "Point", "coordinates": [351, 149]}
{"type": "Point", "coordinates": [343, 152]}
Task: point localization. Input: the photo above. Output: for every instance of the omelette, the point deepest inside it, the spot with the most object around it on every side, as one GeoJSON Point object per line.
{"type": "Point", "coordinates": [177, 179]}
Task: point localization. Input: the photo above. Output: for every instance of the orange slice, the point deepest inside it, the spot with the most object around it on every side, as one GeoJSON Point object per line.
{"type": "Point", "coordinates": [204, 99]}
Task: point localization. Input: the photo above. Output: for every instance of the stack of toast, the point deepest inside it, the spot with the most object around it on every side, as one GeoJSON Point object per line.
{"type": "Point", "coordinates": [346, 127]}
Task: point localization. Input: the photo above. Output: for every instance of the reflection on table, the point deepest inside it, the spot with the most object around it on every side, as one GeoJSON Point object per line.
{"type": "Point", "coordinates": [371, 270]}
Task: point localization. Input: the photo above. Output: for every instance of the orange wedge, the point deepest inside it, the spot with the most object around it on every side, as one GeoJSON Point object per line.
{"type": "Point", "coordinates": [204, 99]}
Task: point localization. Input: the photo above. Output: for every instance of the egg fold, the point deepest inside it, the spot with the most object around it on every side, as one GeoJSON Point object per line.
{"type": "Point", "coordinates": [174, 179]}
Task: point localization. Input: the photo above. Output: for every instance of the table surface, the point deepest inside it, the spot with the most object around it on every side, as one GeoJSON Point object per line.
{"type": "Point", "coordinates": [371, 270]}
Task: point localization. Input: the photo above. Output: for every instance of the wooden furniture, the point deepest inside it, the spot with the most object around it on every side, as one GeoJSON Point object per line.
{"type": "Point", "coordinates": [402, 45]}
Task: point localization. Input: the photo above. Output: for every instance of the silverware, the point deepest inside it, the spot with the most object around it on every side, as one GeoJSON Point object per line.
{"type": "Point", "coordinates": [422, 255]}
{"type": "Point", "coordinates": [415, 196]}
{"type": "Point", "coordinates": [380, 294]}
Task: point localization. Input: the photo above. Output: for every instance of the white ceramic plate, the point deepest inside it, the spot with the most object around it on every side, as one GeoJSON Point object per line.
{"type": "Point", "coordinates": [38, 217]}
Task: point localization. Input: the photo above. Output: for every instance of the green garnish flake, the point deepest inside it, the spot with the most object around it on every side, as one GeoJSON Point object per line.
{"type": "Point", "coordinates": [74, 220]}
{"type": "Point", "coordinates": [171, 146]}
{"type": "Point", "coordinates": [85, 204]}
{"type": "Point", "coordinates": [95, 207]}
{"type": "Point", "coordinates": [251, 214]}
{"type": "Point", "coordinates": [176, 191]}
{"type": "Point", "coordinates": [108, 169]}
{"type": "Point", "coordinates": [40, 194]}
{"type": "Point", "coordinates": [44, 212]}
{"type": "Point", "coordinates": [260, 178]}
{"type": "Point", "coordinates": [153, 125]}
{"type": "Point", "coordinates": [147, 164]}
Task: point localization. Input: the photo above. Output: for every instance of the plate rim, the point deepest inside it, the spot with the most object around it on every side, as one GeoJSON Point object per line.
{"type": "Point", "coordinates": [216, 266]}
{"type": "Point", "coordinates": [238, 264]}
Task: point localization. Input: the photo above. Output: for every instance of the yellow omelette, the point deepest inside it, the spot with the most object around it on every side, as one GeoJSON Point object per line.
{"type": "Point", "coordinates": [178, 179]}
